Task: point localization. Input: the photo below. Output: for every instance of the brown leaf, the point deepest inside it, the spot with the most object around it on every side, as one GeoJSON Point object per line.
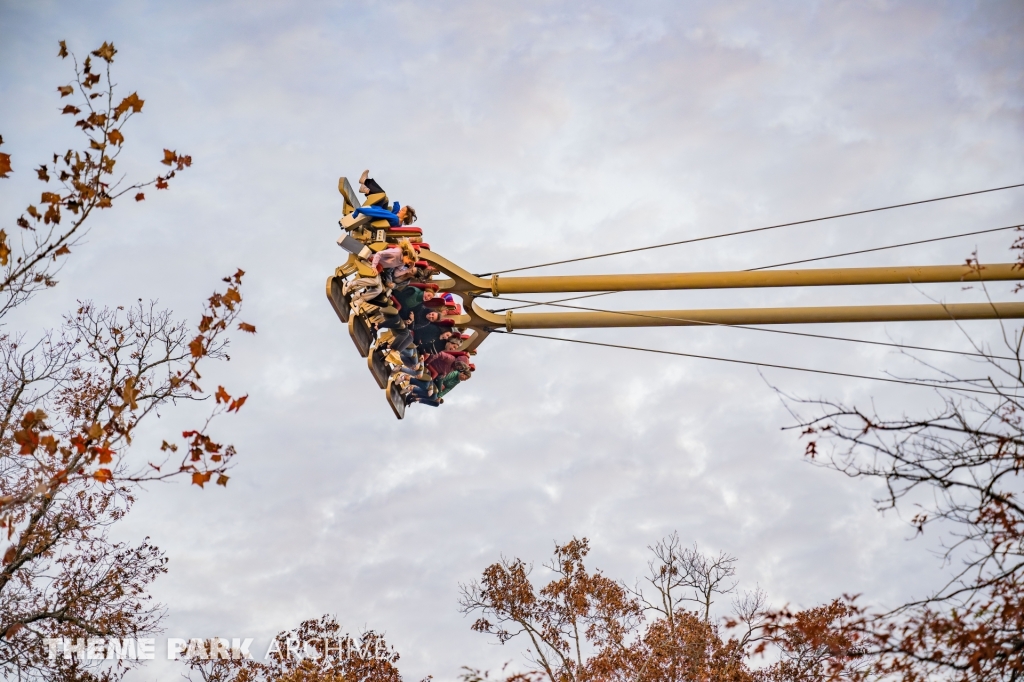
{"type": "Point", "coordinates": [5, 165]}
{"type": "Point", "coordinates": [63, 50]}
{"type": "Point", "coordinates": [106, 52]}
{"type": "Point", "coordinates": [196, 347]}
{"type": "Point", "coordinates": [140, 196]}
{"type": "Point", "coordinates": [222, 395]}
{"type": "Point", "coordinates": [5, 250]}
{"type": "Point", "coordinates": [9, 555]}
{"type": "Point", "coordinates": [95, 431]}
{"type": "Point", "coordinates": [50, 443]}
{"type": "Point", "coordinates": [70, 109]}
{"type": "Point", "coordinates": [132, 102]}
{"type": "Point", "coordinates": [246, 327]}
{"type": "Point", "coordinates": [42, 174]}
{"type": "Point", "coordinates": [129, 393]}
{"type": "Point", "coordinates": [199, 478]}
{"type": "Point", "coordinates": [49, 198]}
{"type": "Point", "coordinates": [169, 157]}
{"type": "Point", "coordinates": [62, 251]}
{"type": "Point", "coordinates": [222, 480]}
{"type": "Point", "coordinates": [103, 475]}
{"type": "Point", "coordinates": [65, 90]}
{"type": "Point", "coordinates": [237, 404]}
{"type": "Point", "coordinates": [115, 137]}
{"type": "Point", "coordinates": [33, 211]}
{"type": "Point", "coordinates": [161, 183]}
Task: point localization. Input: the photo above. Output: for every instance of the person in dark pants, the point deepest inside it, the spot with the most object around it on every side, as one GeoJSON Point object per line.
{"type": "Point", "coordinates": [398, 215]}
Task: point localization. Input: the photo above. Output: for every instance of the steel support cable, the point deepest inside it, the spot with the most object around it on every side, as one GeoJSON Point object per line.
{"type": "Point", "coordinates": [532, 304]}
{"type": "Point", "coordinates": [771, 331]}
{"type": "Point", "coordinates": [805, 260]}
{"type": "Point", "coordinates": [883, 248]}
{"type": "Point", "coordinates": [847, 375]}
{"type": "Point", "coordinates": [752, 230]}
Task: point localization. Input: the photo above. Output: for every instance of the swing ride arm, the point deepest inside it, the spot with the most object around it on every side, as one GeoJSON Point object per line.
{"type": "Point", "coordinates": [470, 286]}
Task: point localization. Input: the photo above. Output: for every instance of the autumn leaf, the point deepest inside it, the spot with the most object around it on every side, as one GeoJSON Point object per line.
{"type": "Point", "coordinates": [237, 404]}
{"type": "Point", "coordinates": [231, 297]}
{"type": "Point", "coordinates": [132, 102]}
{"type": "Point", "coordinates": [50, 443]}
{"type": "Point", "coordinates": [103, 475]}
{"type": "Point", "coordinates": [49, 198]}
{"type": "Point", "coordinates": [222, 395]}
{"type": "Point", "coordinates": [222, 480]}
{"type": "Point", "coordinates": [42, 174]}
{"type": "Point", "coordinates": [63, 50]}
{"type": "Point", "coordinates": [62, 251]}
{"type": "Point", "coordinates": [246, 327]}
{"type": "Point", "coordinates": [115, 137]}
{"type": "Point", "coordinates": [169, 157]}
{"type": "Point", "coordinates": [9, 555]}
{"type": "Point", "coordinates": [32, 211]}
{"type": "Point", "coordinates": [129, 393]}
{"type": "Point", "coordinates": [5, 165]}
{"type": "Point", "coordinates": [13, 630]}
{"type": "Point", "coordinates": [161, 183]}
{"type": "Point", "coordinates": [106, 52]}
{"type": "Point", "coordinates": [27, 438]}
{"type": "Point", "coordinates": [140, 196]}
{"type": "Point", "coordinates": [5, 250]}
{"type": "Point", "coordinates": [95, 431]}
{"type": "Point", "coordinates": [70, 109]}
{"type": "Point", "coordinates": [200, 478]}
{"type": "Point", "coordinates": [106, 455]}
{"type": "Point", "coordinates": [196, 347]}
{"type": "Point", "coordinates": [65, 90]}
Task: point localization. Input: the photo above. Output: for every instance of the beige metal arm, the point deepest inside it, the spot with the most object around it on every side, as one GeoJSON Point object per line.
{"type": "Point", "coordinates": [469, 286]}
{"type": "Point", "coordinates": [748, 316]}
{"type": "Point", "coordinates": [764, 278]}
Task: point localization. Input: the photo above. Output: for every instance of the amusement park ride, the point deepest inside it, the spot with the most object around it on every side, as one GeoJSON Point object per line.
{"type": "Point", "coordinates": [360, 297]}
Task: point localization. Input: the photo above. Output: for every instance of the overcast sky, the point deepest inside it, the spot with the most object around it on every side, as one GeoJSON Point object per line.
{"type": "Point", "coordinates": [526, 132]}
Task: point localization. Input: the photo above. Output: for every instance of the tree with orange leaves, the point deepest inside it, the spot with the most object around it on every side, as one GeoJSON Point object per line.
{"type": "Point", "coordinates": [583, 626]}
{"type": "Point", "coordinates": [71, 399]}
{"type": "Point", "coordinates": [318, 650]}
{"type": "Point", "coordinates": [957, 470]}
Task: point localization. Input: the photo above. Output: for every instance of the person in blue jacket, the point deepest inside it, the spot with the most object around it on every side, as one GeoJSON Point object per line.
{"type": "Point", "coordinates": [396, 215]}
